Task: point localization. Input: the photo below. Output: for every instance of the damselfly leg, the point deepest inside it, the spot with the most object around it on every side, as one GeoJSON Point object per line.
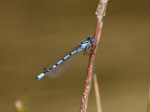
{"type": "Point", "coordinates": [87, 50]}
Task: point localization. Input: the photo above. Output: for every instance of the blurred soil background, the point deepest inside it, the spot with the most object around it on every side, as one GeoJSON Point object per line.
{"type": "Point", "coordinates": [33, 33]}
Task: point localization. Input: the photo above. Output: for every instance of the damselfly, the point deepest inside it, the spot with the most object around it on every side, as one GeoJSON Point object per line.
{"type": "Point", "coordinates": [56, 69]}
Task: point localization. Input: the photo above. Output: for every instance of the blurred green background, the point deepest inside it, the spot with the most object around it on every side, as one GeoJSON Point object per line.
{"type": "Point", "coordinates": [33, 33]}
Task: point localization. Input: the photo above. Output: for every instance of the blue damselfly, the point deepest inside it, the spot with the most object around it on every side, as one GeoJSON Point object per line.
{"type": "Point", "coordinates": [56, 69]}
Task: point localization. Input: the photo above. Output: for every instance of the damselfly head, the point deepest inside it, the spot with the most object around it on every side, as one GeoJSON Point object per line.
{"type": "Point", "coordinates": [90, 39]}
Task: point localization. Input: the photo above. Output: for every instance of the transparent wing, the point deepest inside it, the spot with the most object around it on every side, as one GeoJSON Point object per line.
{"type": "Point", "coordinates": [61, 68]}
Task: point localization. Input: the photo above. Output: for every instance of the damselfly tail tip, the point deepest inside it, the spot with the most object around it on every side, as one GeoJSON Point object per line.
{"type": "Point", "coordinates": [40, 76]}
{"type": "Point", "coordinates": [37, 78]}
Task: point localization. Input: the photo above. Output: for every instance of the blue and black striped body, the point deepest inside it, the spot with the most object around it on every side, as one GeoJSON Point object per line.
{"type": "Point", "coordinates": [82, 45]}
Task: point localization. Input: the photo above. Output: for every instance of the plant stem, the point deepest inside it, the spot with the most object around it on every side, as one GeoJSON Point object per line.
{"type": "Point", "coordinates": [19, 106]}
{"type": "Point", "coordinates": [148, 106]}
{"type": "Point", "coordinates": [100, 13]}
{"type": "Point", "coordinates": [97, 94]}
